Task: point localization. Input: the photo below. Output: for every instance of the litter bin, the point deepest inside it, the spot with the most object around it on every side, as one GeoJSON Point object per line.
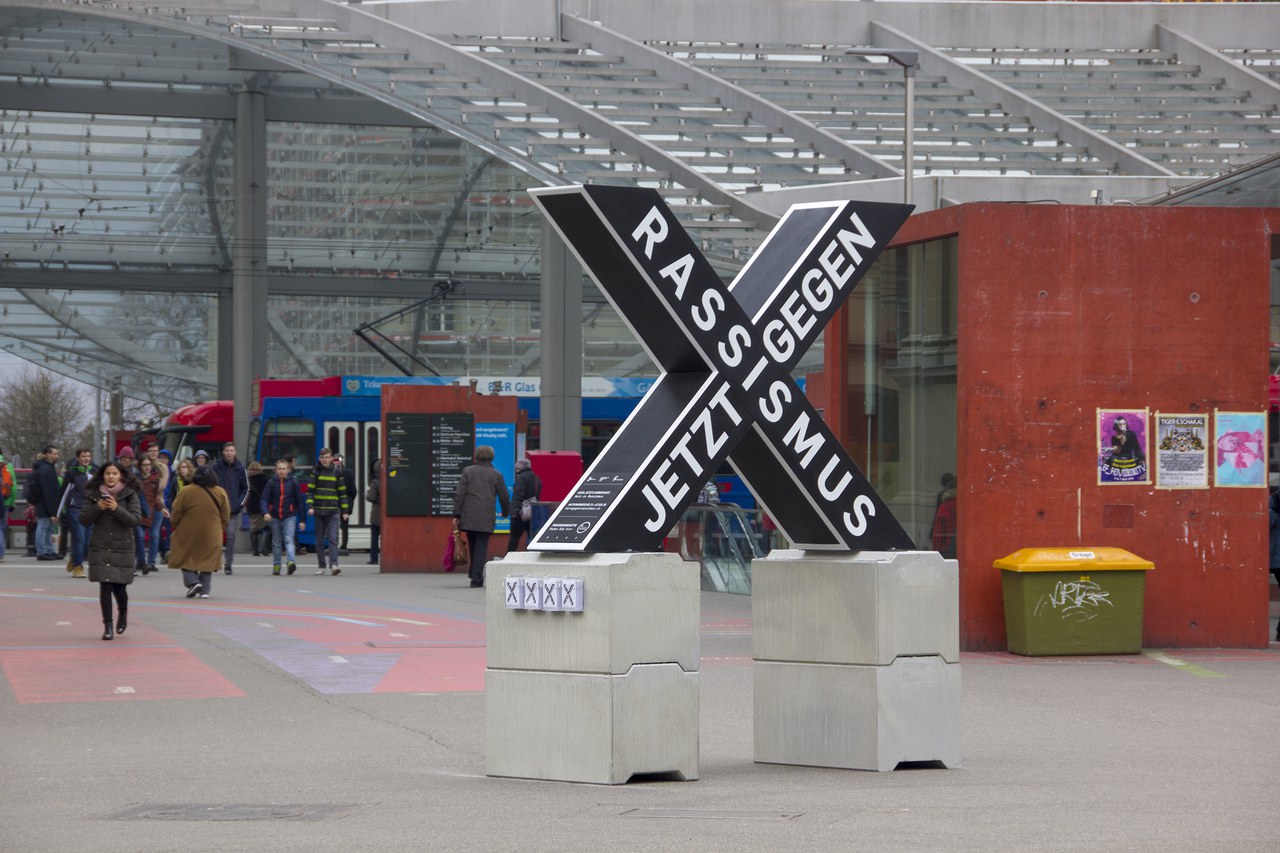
{"type": "Point", "coordinates": [1073, 601]}
{"type": "Point", "coordinates": [541, 512]}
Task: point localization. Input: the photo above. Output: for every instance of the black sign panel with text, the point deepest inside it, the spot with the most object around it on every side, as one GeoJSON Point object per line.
{"type": "Point", "coordinates": [453, 441]}
{"type": "Point", "coordinates": [408, 458]}
{"type": "Point", "coordinates": [425, 457]}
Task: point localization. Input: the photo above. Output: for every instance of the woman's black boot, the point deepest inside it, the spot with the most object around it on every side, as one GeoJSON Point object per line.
{"type": "Point", "coordinates": [106, 630]}
{"type": "Point", "coordinates": [122, 621]}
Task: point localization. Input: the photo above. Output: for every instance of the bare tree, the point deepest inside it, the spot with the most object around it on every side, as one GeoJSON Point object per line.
{"type": "Point", "coordinates": [37, 407]}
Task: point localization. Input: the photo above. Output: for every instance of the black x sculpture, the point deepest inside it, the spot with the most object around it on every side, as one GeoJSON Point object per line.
{"type": "Point", "coordinates": [726, 389]}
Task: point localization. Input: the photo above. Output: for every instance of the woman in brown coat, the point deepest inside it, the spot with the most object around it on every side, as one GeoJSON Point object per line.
{"type": "Point", "coordinates": [473, 508]}
{"type": "Point", "coordinates": [112, 509]}
{"type": "Point", "coordinates": [199, 516]}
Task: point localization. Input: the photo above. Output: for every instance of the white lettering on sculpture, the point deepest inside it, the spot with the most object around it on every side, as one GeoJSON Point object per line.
{"type": "Point", "coordinates": [667, 487]}
{"type": "Point", "coordinates": [778, 395]}
{"type": "Point", "coordinates": [809, 445]}
{"type": "Point", "coordinates": [856, 522]}
{"type": "Point", "coordinates": [819, 295]}
{"type": "Point", "coordinates": [755, 373]}
{"type": "Point", "coordinates": [731, 351]}
{"type": "Point", "coordinates": [794, 312]}
{"type": "Point", "coordinates": [778, 341]}
{"type": "Point", "coordinates": [653, 228]}
{"type": "Point", "coordinates": [712, 304]}
{"type": "Point", "coordinates": [679, 273]}
{"type": "Point", "coordinates": [852, 241]}
{"type": "Point", "coordinates": [828, 492]}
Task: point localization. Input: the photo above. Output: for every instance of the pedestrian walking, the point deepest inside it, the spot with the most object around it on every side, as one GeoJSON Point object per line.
{"type": "Point", "coordinates": [259, 530]}
{"type": "Point", "coordinates": [373, 494]}
{"type": "Point", "coordinates": [44, 493]}
{"type": "Point", "coordinates": [154, 510]}
{"type": "Point", "coordinates": [77, 481]}
{"type": "Point", "coordinates": [112, 510]}
{"type": "Point", "coordinates": [528, 487]}
{"type": "Point", "coordinates": [473, 507]}
{"type": "Point", "coordinates": [349, 482]}
{"type": "Point", "coordinates": [8, 497]}
{"type": "Point", "coordinates": [280, 504]}
{"type": "Point", "coordinates": [327, 503]}
{"type": "Point", "coordinates": [199, 518]}
{"type": "Point", "coordinates": [128, 462]}
{"type": "Point", "coordinates": [234, 480]}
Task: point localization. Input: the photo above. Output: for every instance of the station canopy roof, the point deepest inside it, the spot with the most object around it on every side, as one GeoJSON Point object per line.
{"type": "Point", "coordinates": [401, 139]}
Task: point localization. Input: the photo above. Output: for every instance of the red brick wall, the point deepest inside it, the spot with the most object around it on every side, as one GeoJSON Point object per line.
{"type": "Point", "coordinates": [1064, 310]}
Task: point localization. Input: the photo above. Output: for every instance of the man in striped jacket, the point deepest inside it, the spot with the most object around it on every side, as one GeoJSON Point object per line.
{"type": "Point", "coordinates": [327, 503]}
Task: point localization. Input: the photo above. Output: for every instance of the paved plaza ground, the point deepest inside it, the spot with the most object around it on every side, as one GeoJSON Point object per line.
{"type": "Point", "coordinates": [313, 713]}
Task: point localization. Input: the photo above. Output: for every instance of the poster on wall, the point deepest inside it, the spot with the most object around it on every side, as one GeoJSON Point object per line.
{"type": "Point", "coordinates": [1240, 449]}
{"type": "Point", "coordinates": [1182, 451]}
{"type": "Point", "coordinates": [1122, 447]}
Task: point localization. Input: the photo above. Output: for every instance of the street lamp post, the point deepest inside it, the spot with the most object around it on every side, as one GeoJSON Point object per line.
{"type": "Point", "coordinates": [909, 60]}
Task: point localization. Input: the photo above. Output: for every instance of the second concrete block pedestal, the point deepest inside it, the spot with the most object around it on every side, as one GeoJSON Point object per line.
{"type": "Point", "coordinates": [601, 694]}
{"type": "Point", "coordinates": [856, 659]}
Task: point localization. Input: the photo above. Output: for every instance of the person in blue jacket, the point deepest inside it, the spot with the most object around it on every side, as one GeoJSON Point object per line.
{"type": "Point", "coordinates": [281, 501]}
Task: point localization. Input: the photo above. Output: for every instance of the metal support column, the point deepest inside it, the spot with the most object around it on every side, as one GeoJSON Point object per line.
{"type": "Point", "coordinates": [248, 328]}
{"type": "Point", "coordinates": [561, 345]}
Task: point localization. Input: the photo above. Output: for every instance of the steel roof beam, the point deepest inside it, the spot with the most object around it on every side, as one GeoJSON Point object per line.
{"type": "Point", "coordinates": [317, 107]}
{"type": "Point", "coordinates": [1190, 49]}
{"type": "Point", "coordinates": [501, 79]}
{"type": "Point", "coordinates": [734, 97]}
{"type": "Point", "coordinates": [1070, 130]}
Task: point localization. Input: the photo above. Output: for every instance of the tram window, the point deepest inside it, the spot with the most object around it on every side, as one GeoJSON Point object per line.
{"type": "Point", "coordinates": [255, 426]}
{"type": "Point", "coordinates": [371, 450]}
{"type": "Point", "coordinates": [349, 448]}
{"type": "Point", "coordinates": [284, 436]}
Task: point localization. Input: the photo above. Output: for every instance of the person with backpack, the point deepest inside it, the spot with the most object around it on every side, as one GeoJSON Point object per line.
{"type": "Point", "coordinates": [327, 502]}
{"type": "Point", "coordinates": [44, 493]}
{"type": "Point", "coordinates": [8, 496]}
{"type": "Point", "coordinates": [527, 490]}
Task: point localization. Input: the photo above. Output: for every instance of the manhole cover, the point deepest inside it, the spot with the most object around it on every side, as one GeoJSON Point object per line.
{"type": "Point", "coordinates": [273, 811]}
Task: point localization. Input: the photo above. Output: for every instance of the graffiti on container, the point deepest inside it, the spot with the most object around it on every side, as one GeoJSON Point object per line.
{"type": "Point", "coordinates": [1075, 601]}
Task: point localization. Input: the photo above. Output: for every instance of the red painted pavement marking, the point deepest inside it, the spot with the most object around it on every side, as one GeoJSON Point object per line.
{"type": "Point", "coordinates": [108, 673]}
{"type": "Point", "coordinates": [51, 651]}
{"type": "Point", "coordinates": [444, 670]}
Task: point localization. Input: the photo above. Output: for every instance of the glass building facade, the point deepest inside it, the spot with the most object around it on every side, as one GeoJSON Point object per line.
{"type": "Point", "coordinates": [902, 361]}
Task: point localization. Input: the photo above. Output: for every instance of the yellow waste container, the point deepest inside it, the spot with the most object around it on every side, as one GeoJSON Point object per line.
{"type": "Point", "coordinates": [1073, 601]}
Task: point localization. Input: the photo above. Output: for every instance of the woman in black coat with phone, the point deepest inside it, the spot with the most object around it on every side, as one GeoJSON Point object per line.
{"type": "Point", "coordinates": [112, 508]}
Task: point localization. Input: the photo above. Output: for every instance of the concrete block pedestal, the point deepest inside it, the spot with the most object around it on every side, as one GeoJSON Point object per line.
{"type": "Point", "coordinates": [597, 695]}
{"type": "Point", "coordinates": [856, 659]}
